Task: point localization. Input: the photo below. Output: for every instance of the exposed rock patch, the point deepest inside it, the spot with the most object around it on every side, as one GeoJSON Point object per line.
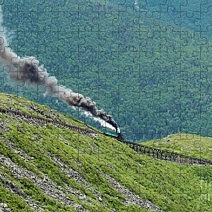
{"type": "Point", "coordinates": [47, 186]}
{"type": "Point", "coordinates": [16, 190]}
{"type": "Point", "coordinates": [68, 170]}
{"type": "Point", "coordinates": [3, 125]}
{"type": "Point", "coordinates": [4, 207]}
{"type": "Point", "coordinates": [21, 153]}
{"type": "Point", "coordinates": [75, 175]}
{"type": "Point", "coordinates": [130, 197]}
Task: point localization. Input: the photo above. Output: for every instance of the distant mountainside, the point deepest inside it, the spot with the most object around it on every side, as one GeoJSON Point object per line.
{"type": "Point", "coordinates": [189, 15]}
{"type": "Point", "coordinates": [52, 162]}
{"type": "Point", "coordinates": [154, 78]}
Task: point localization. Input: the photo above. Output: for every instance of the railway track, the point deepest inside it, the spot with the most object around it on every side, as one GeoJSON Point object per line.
{"type": "Point", "coordinates": [47, 120]}
{"type": "Point", "coordinates": [139, 148]}
{"type": "Point", "coordinates": [166, 155]}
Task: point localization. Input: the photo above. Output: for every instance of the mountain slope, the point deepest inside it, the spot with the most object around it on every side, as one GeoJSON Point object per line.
{"type": "Point", "coordinates": [48, 164]}
{"type": "Point", "coordinates": [153, 77]}
{"type": "Point", "coordinates": [186, 144]}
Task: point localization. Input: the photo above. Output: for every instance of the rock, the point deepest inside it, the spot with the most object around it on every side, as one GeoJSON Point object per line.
{"type": "Point", "coordinates": [82, 196]}
{"type": "Point", "coordinates": [3, 205]}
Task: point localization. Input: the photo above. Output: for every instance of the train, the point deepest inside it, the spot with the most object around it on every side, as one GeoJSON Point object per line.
{"type": "Point", "coordinates": [118, 135]}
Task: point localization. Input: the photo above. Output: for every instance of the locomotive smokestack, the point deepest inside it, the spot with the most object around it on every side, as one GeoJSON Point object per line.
{"type": "Point", "coordinates": [28, 71]}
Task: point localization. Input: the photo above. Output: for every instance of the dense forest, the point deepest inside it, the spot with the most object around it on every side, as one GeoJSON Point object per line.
{"type": "Point", "coordinates": [152, 75]}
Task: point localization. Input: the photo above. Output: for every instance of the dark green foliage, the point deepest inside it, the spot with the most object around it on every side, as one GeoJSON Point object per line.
{"type": "Point", "coordinates": [147, 74]}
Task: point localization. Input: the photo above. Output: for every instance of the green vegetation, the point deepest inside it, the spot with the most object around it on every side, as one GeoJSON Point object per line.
{"type": "Point", "coordinates": [186, 144]}
{"type": "Point", "coordinates": [55, 153]}
{"type": "Point", "coordinates": [148, 74]}
{"type": "Point", "coordinates": [15, 202]}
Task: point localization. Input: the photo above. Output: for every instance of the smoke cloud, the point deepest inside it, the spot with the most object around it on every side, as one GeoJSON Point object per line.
{"type": "Point", "coordinates": [28, 71]}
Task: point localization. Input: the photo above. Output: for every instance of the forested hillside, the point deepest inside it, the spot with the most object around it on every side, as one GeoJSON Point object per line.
{"type": "Point", "coordinates": [151, 76]}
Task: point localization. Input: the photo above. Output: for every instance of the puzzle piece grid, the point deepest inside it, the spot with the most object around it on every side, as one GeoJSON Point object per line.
{"type": "Point", "coordinates": [186, 17]}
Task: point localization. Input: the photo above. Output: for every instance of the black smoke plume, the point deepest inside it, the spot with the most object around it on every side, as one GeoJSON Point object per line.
{"type": "Point", "coordinates": [28, 71]}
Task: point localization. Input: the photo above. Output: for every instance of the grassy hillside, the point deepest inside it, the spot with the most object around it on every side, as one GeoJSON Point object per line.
{"type": "Point", "coordinates": [187, 144]}
{"type": "Point", "coordinates": [45, 166]}
{"type": "Point", "coordinates": [151, 75]}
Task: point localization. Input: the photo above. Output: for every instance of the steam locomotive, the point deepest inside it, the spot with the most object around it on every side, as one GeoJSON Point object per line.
{"type": "Point", "coordinates": [118, 135]}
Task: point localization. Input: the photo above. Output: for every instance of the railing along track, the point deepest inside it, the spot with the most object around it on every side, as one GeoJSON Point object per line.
{"type": "Point", "coordinates": [166, 155]}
